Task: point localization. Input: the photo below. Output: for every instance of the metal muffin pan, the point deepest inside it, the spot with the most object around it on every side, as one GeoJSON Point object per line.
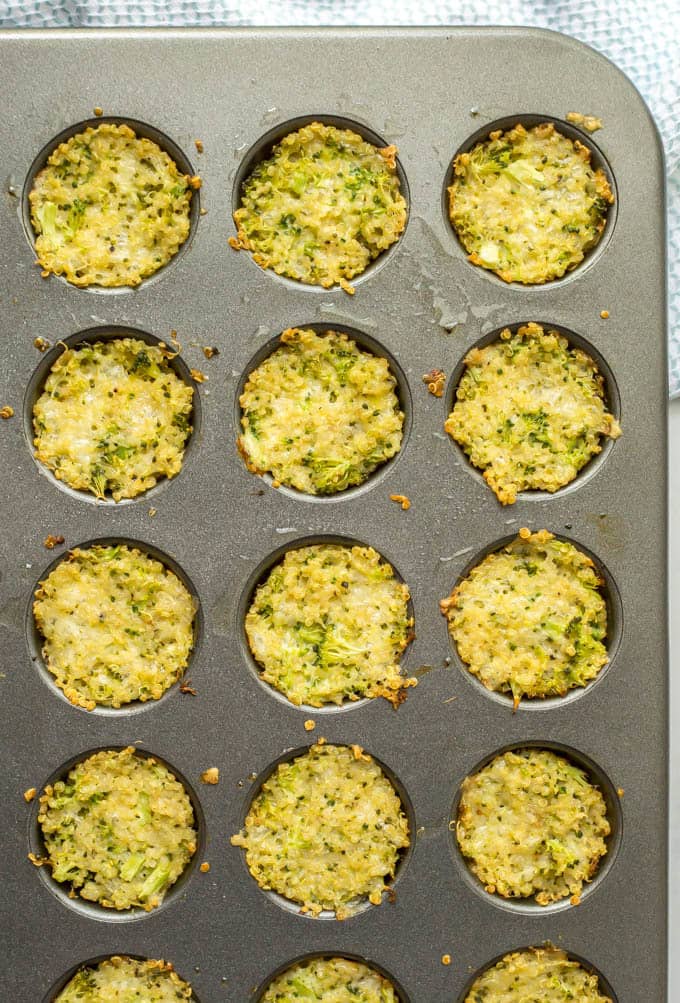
{"type": "Point", "coordinates": [430, 91]}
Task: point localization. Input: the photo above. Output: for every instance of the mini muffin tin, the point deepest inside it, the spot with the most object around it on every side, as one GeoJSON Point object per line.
{"type": "Point", "coordinates": [433, 93]}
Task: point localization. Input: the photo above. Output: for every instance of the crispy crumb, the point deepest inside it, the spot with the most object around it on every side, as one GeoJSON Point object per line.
{"type": "Point", "coordinates": [186, 687]}
{"type": "Point", "coordinates": [30, 794]}
{"type": "Point", "coordinates": [435, 380]}
{"type": "Point", "coordinates": [575, 900]}
{"type": "Point", "coordinates": [37, 861]}
{"type": "Point", "coordinates": [310, 725]}
{"type": "Point", "coordinates": [211, 775]}
{"type": "Point", "coordinates": [152, 512]}
{"type": "Point", "coordinates": [203, 211]}
{"type": "Point", "coordinates": [210, 351]}
{"type": "Point", "coordinates": [42, 344]}
{"type": "Point", "coordinates": [51, 541]}
{"type": "Point", "coordinates": [446, 959]}
{"type": "Point", "coordinates": [620, 791]}
{"type": "Point", "coordinates": [6, 411]}
{"type": "Point", "coordinates": [98, 111]}
{"type": "Point", "coordinates": [525, 533]}
{"type": "Point", "coordinates": [198, 376]}
{"type": "Point", "coordinates": [195, 182]}
{"type": "Point", "coordinates": [205, 867]}
{"type": "Point", "coordinates": [198, 143]}
{"type": "Point", "coordinates": [45, 273]}
{"type": "Point", "coordinates": [604, 314]}
{"type": "Point", "coordinates": [401, 500]}
{"type": "Point", "coordinates": [589, 122]}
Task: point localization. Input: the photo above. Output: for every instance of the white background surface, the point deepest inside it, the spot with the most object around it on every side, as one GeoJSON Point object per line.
{"type": "Point", "coordinates": [674, 582]}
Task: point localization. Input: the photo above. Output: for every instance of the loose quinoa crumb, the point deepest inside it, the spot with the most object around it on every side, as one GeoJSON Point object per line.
{"type": "Point", "coordinates": [211, 775]}
{"type": "Point", "coordinates": [402, 500]}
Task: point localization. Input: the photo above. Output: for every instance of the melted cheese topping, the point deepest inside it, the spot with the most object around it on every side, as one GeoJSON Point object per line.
{"type": "Point", "coordinates": [326, 831]}
{"type": "Point", "coordinates": [527, 204]}
{"type": "Point", "coordinates": [530, 619]}
{"type": "Point", "coordinates": [117, 626]}
{"type": "Point", "coordinates": [322, 207]}
{"type": "Point", "coordinates": [330, 980]}
{"type": "Point", "coordinates": [530, 411]}
{"type": "Point", "coordinates": [119, 830]}
{"type": "Point", "coordinates": [329, 624]}
{"type": "Point", "coordinates": [537, 975]}
{"type": "Point", "coordinates": [123, 980]}
{"type": "Point", "coordinates": [109, 208]}
{"type": "Point", "coordinates": [320, 414]}
{"type": "Point", "coordinates": [113, 418]}
{"type": "Point", "coordinates": [530, 824]}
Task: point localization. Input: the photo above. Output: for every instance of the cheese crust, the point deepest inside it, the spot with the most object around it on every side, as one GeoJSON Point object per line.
{"type": "Point", "coordinates": [122, 979]}
{"type": "Point", "coordinates": [113, 418]}
{"type": "Point", "coordinates": [329, 624]}
{"type": "Point", "coordinates": [109, 208]}
{"type": "Point", "coordinates": [326, 831]}
{"type": "Point", "coordinates": [322, 207]}
{"type": "Point", "coordinates": [530, 411]}
{"type": "Point", "coordinates": [330, 980]}
{"type": "Point", "coordinates": [320, 414]}
{"type": "Point", "coordinates": [117, 626]}
{"type": "Point", "coordinates": [539, 974]}
{"type": "Point", "coordinates": [531, 825]}
{"type": "Point", "coordinates": [527, 204]}
{"type": "Point", "coordinates": [530, 620]}
{"type": "Point", "coordinates": [119, 830]}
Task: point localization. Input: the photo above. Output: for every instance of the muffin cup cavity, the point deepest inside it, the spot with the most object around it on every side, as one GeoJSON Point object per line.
{"type": "Point", "coordinates": [597, 776]}
{"type": "Point", "coordinates": [91, 336]}
{"type": "Point", "coordinates": [93, 910]}
{"type": "Point", "coordinates": [598, 161]}
{"type": "Point", "coordinates": [35, 640]}
{"type": "Point", "coordinates": [144, 131]}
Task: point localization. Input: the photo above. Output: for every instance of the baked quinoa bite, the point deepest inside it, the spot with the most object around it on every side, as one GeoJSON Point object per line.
{"type": "Point", "coordinates": [109, 208]}
{"type": "Point", "coordinates": [320, 414]}
{"type": "Point", "coordinates": [530, 411]}
{"type": "Point", "coordinates": [530, 619]}
{"type": "Point", "coordinates": [326, 831]}
{"type": "Point", "coordinates": [116, 626]}
{"type": "Point", "coordinates": [321, 207]}
{"type": "Point", "coordinates": [113, 418]}
{"type": "Point", "coordinates": [538, 974]}
{"type": "Point", "coordinates": [330, 980]}
{"type": "Point", "coordinates": [119, 830]}
{"type": "Point", "coordinates": [531, 825]}
{"type": "Point", "coordinates": [329, 625]}
{"type": "Point", "coordinates": [122, 979]}
{"type": "Point", "coordinates": [527, 204]}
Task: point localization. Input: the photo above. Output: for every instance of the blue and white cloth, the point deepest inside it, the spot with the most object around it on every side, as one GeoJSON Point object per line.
{"type": "Point", "coordinates": [641, 36]}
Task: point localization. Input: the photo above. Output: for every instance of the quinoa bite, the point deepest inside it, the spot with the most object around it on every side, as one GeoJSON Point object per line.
{"type": "Point", "coordinates": [113, 418]}
{"type": "Point", "coordinates": [330, 980]}
{"type": "Point", "coordinates": [321, 207]}
{"type": "Point", "coordinates": [530, 619]}
{"type": "Point", "coordinates": [329, 624]}
{"type": "Point", "coordinates": [109, 208]}
{"type": "Point", "coordinates": [320, 414]}
{"type": "Point", "coordinates": [326, 831]}
{"type": "Point", "coordinates": [527, 204]}
{"type": "Point", "coordinates": [119, 830]}
{"type": "Point", "coordinates": [532, 825]}
{"type": "Point", "coordinates": [120, 979]}
{"type": "Point", "coordinates": [530, 411]}
{"type": "Point", "coordinates": [116, 626]}
{"type": "Point", "coordinates": [539, 974]}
